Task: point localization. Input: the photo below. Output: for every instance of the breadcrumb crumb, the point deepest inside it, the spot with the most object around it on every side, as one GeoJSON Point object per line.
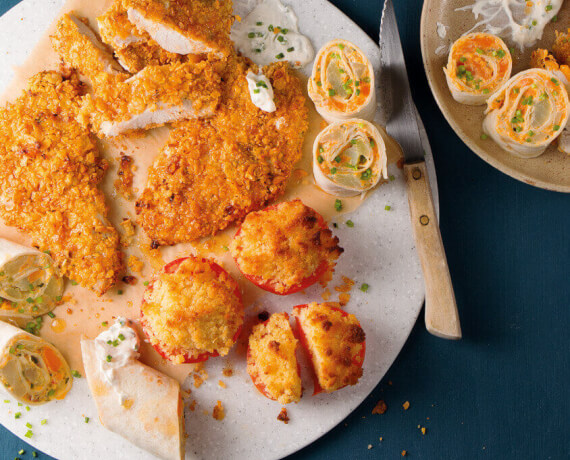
{"type": "Point", "coordinates": [380, 408]}
{"type": "Point", "coordinates": [218, 413]}
{"type": "Point", "coordinates": [283, 416]}
{"type": "Point", "coordinates": [406, 405]}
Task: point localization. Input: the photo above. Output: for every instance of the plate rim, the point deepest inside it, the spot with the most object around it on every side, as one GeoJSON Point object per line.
{"type": "Point", "coordinates": [481, 153]}
{"type": "Point", "coordinates": [434, 184]}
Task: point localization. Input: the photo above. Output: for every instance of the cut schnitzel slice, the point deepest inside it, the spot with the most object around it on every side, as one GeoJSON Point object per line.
{"type": "Point", "coordinates": [48, 181]}
{"type": "Point", "coordinates": [155, 96]}
{"type": "Point", "coordinates": [185, 26]}
{"type": "Point", "coordinates": [80, 48]}
{"type": "Point", "coordinates": [212, 173]}
{"type": "Point", "coordinates": [134, 48]}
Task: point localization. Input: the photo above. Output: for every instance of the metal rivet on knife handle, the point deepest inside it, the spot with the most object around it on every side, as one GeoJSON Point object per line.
{"type": "Point", "coordinates": [416, 174]}
{"type": "Point", "coordinates": [424, 220]}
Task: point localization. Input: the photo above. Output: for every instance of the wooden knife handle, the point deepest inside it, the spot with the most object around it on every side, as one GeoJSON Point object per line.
{"type": "Point", "coordinates": [441, 314]}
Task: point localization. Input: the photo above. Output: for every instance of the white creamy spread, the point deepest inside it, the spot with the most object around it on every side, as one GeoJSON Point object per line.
{"type": "Point", "coordinates": [260, 91]}
{"type": "Point", "coordinates": [521, 21]}
{"type": "Point", "coordinates": [115, 348]}
{"type": "Point", "coordinates": [269, 33]}
{"type": "Point", "coordinates": [442, 30]}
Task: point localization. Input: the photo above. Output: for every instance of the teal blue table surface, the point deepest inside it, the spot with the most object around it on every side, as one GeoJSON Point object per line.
{"type": "Point", "coordinates": [502, 391]}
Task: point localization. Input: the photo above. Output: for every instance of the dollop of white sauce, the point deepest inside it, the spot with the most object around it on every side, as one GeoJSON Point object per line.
{"type": "Point", "coordinates": [442, 30]}
{"type": "Point", "coordinates": [520, 21]}
{"type": "Point", "coordinates": [270, 33]}
{"type": "Point", "coordinates": [260, 91]}
{"type": "Point", "coordinates": [115, 348]}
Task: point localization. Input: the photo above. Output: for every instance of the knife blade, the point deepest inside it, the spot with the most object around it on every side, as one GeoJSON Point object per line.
{"type": "Point", "coordinates": [441, 314]}
{"type": "Point", "coordinates": [402, 124]}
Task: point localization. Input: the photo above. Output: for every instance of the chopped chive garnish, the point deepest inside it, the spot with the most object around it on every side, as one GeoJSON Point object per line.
{"type": "Point", "coordinates": [366, 174]}
{"type": "Point", "coordinates": [484, 137]}
{"type": "Point", "coordinates": [17, 415]}
{"type": "Point", "coordinates": [387, 207]}
{"type": "Point", "coordinates": [291, 49]}
{"type": "Point", "coordinates": [225, 248]}
{"type": "Point", "coordinates": [256, 91]}
{"type": "Point", "coordinates": [284, 31]}
{"type": "Point", "coordinates": [485, 90]}
{"type": "Point", "coordinates": [331, 92]}
{"type": "Point", "coordinates": [29, 300]}
{"type": "Point", "coordinates": [548, 7]}
{"type": "Point", "coordinates": [108, 358]}
{"type": "Point", "coordinates": [556, 127]}
{"type": "Point", "coordinates": [349, 223]}
{"type": "Point", "coordinates": [338, 205]}
{"type": "Point", "coordinates": [86, 419]}
{"type": "Point", "coordinates": [73, 283]}
{"type": "Point", "coordinates": [29, 425]}
{"type": "Point", "coordinates": [259, 23]}
{"type": "Point", "coordinates": [146, 283]}
{"type": "Point", "coordinates": [58, 298]}
{"type": "Point", "coordinates": [44, 421]}
{"type": "Point", "coordinates": [280, 38]}
{"type": "Point", "coordinates": [280, 56]}
{"type": "Point", "coordinates": [333, 170]}
{"type": "Point", "coordinates": [34, 454]}
{"type": "Point", "coordinates": [76, 374]}
{"type": "Point", "coordinates": [21, 452]}
{"type": "Point", "coordinates": [105, 323]}
{"type": "Point", "coordinates": [120, 292]}
{"type": "Point", "coordinates": [391, 177]}
{"type": "Point", "coordinates": [251, 35]}
{"type": "Point", "coordinates": [364, 287]}
{"type": "Point", "coordinates": [29, 434]}
{"type": "Point", "coordinates": [28, 408]}
{"type": "Point", "coordinates": [270, 28]}
{"type": "Point", "coordinates": [50, 314]}
{"type": "Point", "coordinates": [6, 401]}
{"type": "Point", "coordinates": [320, 159]}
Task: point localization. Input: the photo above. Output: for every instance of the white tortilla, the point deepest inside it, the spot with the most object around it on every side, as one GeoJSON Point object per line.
{"type": "Point", "coordinates": [152, 416]}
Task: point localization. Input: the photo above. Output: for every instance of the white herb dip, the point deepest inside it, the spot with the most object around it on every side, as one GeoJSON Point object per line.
{"type": "Point", "coordinates": [260, 91]}
{"type": "Point", "coordinates": [270, 33]}
{"type": "Point", "coordinates": [115, 348]}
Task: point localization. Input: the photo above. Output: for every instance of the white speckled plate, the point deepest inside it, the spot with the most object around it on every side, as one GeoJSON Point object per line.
{"type": "Point", "coordinates": [551, 170]}
{"type": "Point", "coordinates": [379, 251]}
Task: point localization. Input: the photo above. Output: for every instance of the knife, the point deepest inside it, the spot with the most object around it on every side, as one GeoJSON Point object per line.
{"type": "Point", "coordinates": [441, 316]}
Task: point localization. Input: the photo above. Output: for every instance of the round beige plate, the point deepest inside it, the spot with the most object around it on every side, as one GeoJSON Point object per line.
{"type": "Point", "coordinates": [550, 170]}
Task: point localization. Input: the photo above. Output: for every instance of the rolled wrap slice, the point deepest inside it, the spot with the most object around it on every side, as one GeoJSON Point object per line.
{"type": "Point", "coordinates": [31, 370]}
{"type": "Point", "coordinates": [29, 281]}
{"type": "Point", "coordinates": [133, 400]}
{"type": "Point", "coordinates": [527, 113]}
{"type": "Point", "coordinates": [349, 158]}
{"type": "Point", "coordinates": [477, 66]}
{"type": "Point", "coordinates": [342, 83]}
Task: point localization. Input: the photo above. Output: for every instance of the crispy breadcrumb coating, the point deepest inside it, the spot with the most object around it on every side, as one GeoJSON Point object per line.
{"type": "Point", "coordinates": [134, 48]}
{"type": "Point", "coordinates": [335, 342]}
{"type": "Point", "coordinates": [48, 181]}
{"type": "Point", "coordinates": [212, 173]}
{"type": "Point", "coordinates": [190, 89]}
{"type": "Point", "coordinates": [78, 46]}
{"type": "Point", "coordinates": [561, 47]}
{"type": "Point", "coordinates": [542, 59]}
{"type": "Point", "coordinates": [205, 23]}
{"type": "Point", "coordinates": [193, 310]}
{"type": "Point", "coordinates": [271, 359]}
{"type": "Point", "coordinates": [284, 244]}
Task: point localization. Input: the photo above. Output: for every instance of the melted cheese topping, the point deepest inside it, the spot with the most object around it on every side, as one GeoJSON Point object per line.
{"type": "Point", "coordinates": [335, 342]}
{"type": "Point", "coordinates": [522, 21]}
{"type": "Point", "coordinates": [284, 244]}
{"type": "Point", "coordinates": [478, 65]}
{"type": "Point", "coordinates": [271, 360]}
{"type": "Point", "coordinates": [192, 311]}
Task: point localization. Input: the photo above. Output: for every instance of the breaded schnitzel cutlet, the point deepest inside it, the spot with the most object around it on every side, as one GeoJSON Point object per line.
{"type": "Point", "coordinates": [48, 181]}
{"type": "Point", "coordinates": [134, 48]}
{"type": "Point", "coordinates": [212, 173]}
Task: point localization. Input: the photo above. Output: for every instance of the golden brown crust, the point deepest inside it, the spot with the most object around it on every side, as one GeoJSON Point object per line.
{"type": "Point", "coordinates": [78, 46]}
{"type": "Point", "coordinates": [192, 311]}
{"type": "Point", "coordinates": [205, 21]}
{"type": "Point", "coordinates": [561, 47]}
{"type": "Point", "coordinates": [50, 171]}
{"type": "Point", "coordinates": [271, 359]}
{"type": "Point", "coordinates": [134, 48]}
{"type": "Point", "coordinates": [284, 244]}
{"type": "Point", "coordinates": [118, 98]}
{"type": "Point", "coordinates": [335, 342]}
{"type": "Point", "coordinates": [212, 173]}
